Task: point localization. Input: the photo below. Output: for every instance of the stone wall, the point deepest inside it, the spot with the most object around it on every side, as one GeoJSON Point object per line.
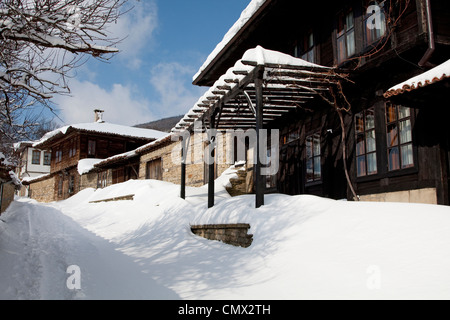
{"type": "Point", "coordinates": [43, 190]}
{"type": "Point", "coordinates": [8, 190]}
{"type": "Point", "coordinates": [427, 196]}
{"type": "Point", "coordinates": [233, 234]}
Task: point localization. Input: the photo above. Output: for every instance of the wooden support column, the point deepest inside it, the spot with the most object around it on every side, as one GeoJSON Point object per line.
{"type": "Point", "coordinates": [212, 143]}
{"type": "Point", "coordinates": [184, 152]}
{"type": "Point", "coordinates": [259, 183]}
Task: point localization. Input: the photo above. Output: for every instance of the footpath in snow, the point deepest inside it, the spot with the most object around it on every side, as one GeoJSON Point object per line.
{"type": "Point", "coordinates": [304, 247]}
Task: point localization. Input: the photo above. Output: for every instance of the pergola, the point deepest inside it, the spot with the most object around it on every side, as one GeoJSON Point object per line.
{"type": "Point", "coordinates": [261, 87]}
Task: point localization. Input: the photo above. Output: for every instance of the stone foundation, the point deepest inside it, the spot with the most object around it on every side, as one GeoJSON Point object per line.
{"type": "Point", "coordinates": [233, 234]}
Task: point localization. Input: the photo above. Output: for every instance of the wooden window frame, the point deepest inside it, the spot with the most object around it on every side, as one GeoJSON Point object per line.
{"type": "Point", "coordinates": [92, 148]}
{"type": "Point", "coordinates": [363, 152]}
{"type": "Point", "coordinates": [36, 157]}
{"type": "Point", "coordinates": [343, 32]}
{"type": "Point", "coordinates": [312, 157]}
{"type": "Point", "coordinates": [394, 140]}
{"type": "Point", "coordinates": [378, 37]}
{"type": "Point", "coordinates": [47, 158]}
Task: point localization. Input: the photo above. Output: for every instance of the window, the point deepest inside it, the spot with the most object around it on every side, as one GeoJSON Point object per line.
{"type": "Point", "coordinates": [291, 136]}
{"type": "Point", "coordinates": [313, 158]}
{"type": "Point", "coordinates": [102, 179]}
{"type": "Point", "coordinates": [399, 137]}
{"type": "Point", "coordinates": [306, 48]}
{"type": "Point", "coordinates": [366, 147]}
{"type": "Point", "coordinates": [71, 184]}
{"type": "Point", "coordinates": [154, 170]}
{"type": "Point", "coordinates": [47, 158]}
{"type": "Point", "coordinates": [36, 158]}
{"type": "Point", "coordinates": [374, 22]}
{"type": "Point", "coordinates": [91, 148]}
{"type": "Point", "coordinates": [345, 36]}
{"type": "Point", "coordinates": [73, 148]}
{"type": "Point", "coordinates": [58, 156]}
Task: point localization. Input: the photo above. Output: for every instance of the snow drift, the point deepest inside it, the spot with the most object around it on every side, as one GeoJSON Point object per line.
{"type": "Point", "coordinates": [304, 247]}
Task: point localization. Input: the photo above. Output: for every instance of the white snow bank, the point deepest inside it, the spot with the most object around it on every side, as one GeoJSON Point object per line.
{"type": "Point", "coordinates": [86, 165]}
{"type": "Point", "coordinates": [304, 247]}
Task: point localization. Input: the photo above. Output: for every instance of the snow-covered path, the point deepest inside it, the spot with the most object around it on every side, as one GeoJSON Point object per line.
{"type": "Point", "coordinates": [37, 245]}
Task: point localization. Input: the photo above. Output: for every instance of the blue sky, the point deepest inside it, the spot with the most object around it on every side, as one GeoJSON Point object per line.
{"type": "Point", "coordinates": [151, 78]}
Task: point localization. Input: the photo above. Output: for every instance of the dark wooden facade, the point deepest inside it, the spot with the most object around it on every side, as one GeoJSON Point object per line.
{"type": "Point", "coordinates": [419, 141]}
{"type": "Point", "coordinates": [68, 149]}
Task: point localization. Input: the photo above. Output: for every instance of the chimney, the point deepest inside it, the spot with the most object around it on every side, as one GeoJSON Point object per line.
{"type": "Point", "coordinates": [99, 115]}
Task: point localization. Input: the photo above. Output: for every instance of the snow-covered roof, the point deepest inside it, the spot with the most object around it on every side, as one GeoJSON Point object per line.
{"type": "Point", "coordinates": [434, 75]}
{"type": "Point", "coordinates": [106, 128]}
{"type": "Point", "coordinates": [245, 17]}
{"type": "Point", "coordinates": [283, 73]}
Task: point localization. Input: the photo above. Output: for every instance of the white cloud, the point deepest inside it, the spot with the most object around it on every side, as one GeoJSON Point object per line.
{"type": "Point", "coordinates": [121, 104]}
{"type": "Point", "coordinates": [136, 28]}
{"type": "Point", "coordinates": [176, 96]}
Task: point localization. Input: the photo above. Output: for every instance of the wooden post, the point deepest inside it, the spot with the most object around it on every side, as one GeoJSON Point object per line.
{"type": "Point", "coordinates": [184, 152]}
{"type": "Point", "coordinates": [212, 142]}
{"type": "Point", "coordinates": [259, 183]}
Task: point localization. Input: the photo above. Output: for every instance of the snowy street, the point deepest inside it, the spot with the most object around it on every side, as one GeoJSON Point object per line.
{"type": "Point", "coordinates": [304, 247]}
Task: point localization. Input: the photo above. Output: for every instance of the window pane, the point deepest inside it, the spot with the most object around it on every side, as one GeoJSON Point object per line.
{"type": "Point", "coordinates": [309, 170]}
{"type": "Point", "coordinates": [317, 169]}
{"type": "Point", "coordinates": [341, 49]}
{"type": "Point", "coordinates": [407, 156]}
{"type": "Point", "coordinates": [350, 43]}
{"type": "Point", "coordinates": [370, 141]}
{"type": "Point", "coordinates": [361, 166]}
{"type": "Point", "coordinates": [392, 135]}
{"type": "Point", "coordinates": [405, 131]}
{"type": "Point", "coordinates": [394, 159]}
{"type": "Point", "coordinates": [370, 119]}
{"type": "Point", "coordinates": [372, 163]}
{"type": "Point", "coordinates": [360, 145]}
{"type": "Point", "coordinates": [404, 112]}
{"type": "Point", "coordinates": [317, 151]}
{"type": "Point", "coordinates": [349, 21]}
{"type": "Point", "coordinates": [309, 147]}
{"type": "Point", "coordinates": [359, 121]}
{"type": "Point", "coordinates": [391, 113]}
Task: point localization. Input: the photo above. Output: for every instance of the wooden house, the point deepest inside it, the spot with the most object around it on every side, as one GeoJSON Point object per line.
{"type": "Point", "coordinates": [72, 144]}
{"type": "Point", "coordinates": [382, 148]}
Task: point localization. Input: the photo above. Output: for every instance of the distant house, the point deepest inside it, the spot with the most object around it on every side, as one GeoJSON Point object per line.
{"type": "Point", "coordinates": [72, 144]}
{"type": "Point", "coordinates": [33, 162]}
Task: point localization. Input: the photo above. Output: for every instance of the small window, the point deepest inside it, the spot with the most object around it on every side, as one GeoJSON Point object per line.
{"type": "Point", "coordinates": [345, 36]}
{"type": "Point", "coordinates": [399, 137]}
{"type": "Point", "coordinates": [271, 180]}
{"type": "Point", "coordinates": [92, 145]}
{"type": "Point", "coordinates": [73, 148]}
{"type": "Point", "coordinates": [102, 180]}
{"type": "Point", "coordinates": [291, 136]}
{"type": "Point", "coordinates": [58, 156]}
{"type": "Point", "coordinates": [305, 49]}
{"type": "Point", "coordinates": [36, 158]}
{"type": "Point", "coordinates": [71, 184]}
{"type": "Point", "coordinates": [313, 158]}
{"type": "Point", "coordinates": [366, 146]}
{"type": "Point", "coordinates": [47, 158]}
{"type": "Point", "coordinates": [374, 22]}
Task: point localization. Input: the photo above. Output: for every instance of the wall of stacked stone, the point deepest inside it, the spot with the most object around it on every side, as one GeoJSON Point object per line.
{"type": "Point", "coordinates": [44, 190]}
{"type": "Point", "coordinates": [170, 156]}
{"type": "Point", "coordinates": [233, 234]}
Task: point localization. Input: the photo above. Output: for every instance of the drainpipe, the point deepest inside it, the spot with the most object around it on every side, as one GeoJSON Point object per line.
{"type": "Point", "coordinates": [431, 42]}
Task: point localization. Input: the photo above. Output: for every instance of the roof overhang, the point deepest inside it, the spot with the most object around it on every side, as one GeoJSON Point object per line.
{"type": "Point", "coordinates": [435, 75]}
{"type": "Point", "coordinates": [288, 84]}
